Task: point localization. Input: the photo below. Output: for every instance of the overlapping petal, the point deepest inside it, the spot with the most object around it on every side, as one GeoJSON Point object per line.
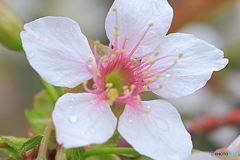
{"type": "Point", "coordinates": [133, 17]}
{"type": "Point", "coordinates": [155, 130]}
{"type": "Point", "coordinates": [57, 50]}
{"type": "Point", "coordinates": [191, 72]}
{"type": "Point", "coordinates": [82, 119]}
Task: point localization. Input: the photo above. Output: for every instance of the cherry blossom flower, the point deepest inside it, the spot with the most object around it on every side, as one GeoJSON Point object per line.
{"type": "Point", "coordinates": [140, 58]}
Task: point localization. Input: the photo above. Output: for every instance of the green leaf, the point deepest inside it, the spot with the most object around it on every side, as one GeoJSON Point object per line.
{"type": "Point", "coordinates": [128, 152]}
{"type": "Point", "coordinates": [77, 153]}
{"type": "Point", "coordinates": [104, 157]}
{"type": "Point", "coordinates": [31, 143]}
{"type": "Point", "coordinates": [11, 146]}
{"type": "Point", "coordinates": [40, 116]}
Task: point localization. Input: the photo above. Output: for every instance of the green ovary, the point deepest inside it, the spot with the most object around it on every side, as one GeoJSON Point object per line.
{"type": "Point", "coordinates": [116, 79]}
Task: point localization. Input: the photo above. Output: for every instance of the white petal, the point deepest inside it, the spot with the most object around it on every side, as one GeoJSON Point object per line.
{"type": "Point", "coordinates": [202, 156]}
{"type": "Point", "coordinates": [155, 130]}
{"type": "Point", "coordinates": [82, 119]}
{"type": "Point", "coordinates": [57, 50]}
{"type": "Point", "coordinates": [235, 145]}
{"type": "Point", "coordinates": [133, 18]}
{"type": "Point", "coordinates": [192, 70]}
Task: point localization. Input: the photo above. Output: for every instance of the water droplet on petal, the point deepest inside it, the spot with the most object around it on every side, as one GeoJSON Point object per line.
{"type": "Point", "coordinates": [130, 121]}
{"type": "Point", "coordinates": [72, 99]}
{"type": "Point", "coordinates": [167, 75]}
{"type": "Point", "coordinates": [69, 81]}
{"type": "Point", "coordinates": [73, 118]}
{"type": "Point", "coordinates": [30, 54]}
{"type": "Point", "coordinates": [92, 129]}
{"type": "Point", "coordinates": [177, 50]}
{"type": "Point", "coordinates": [148, 106]}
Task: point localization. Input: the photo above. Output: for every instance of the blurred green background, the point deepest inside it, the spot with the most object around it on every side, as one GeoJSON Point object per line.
{"type": "Point", "coordinates": [216, 21]}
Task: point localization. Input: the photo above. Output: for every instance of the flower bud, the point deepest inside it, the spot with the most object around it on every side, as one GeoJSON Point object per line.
{"type": "Point", "coordinates": [10, 27]}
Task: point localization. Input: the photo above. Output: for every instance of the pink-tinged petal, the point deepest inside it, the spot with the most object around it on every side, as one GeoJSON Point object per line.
{"type": "Point", "coordinates": [155, 130]}
{"type": "Point", "coordinates": [133, 18]}
{"type": "Point", "coordinates": [82, 119]}
{"type": "Point", "coordinates": [235, 145]}
{"type": "Point", "coordinates": [202, 156]}
{"type": "Point", "coordinates": [57, 50]}
{"type": "Point", "coordinates": [195, 60]}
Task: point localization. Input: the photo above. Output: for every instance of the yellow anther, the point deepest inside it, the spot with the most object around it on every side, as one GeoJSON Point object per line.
{"type": "Point", "coordinates": [117, 51]}
{"type": "Point", "coordinates": [109, 85]}
{"type": "Point", "coordinates": [126, 91]}
{"type": "Point", "coordinates": [145, 73]}
{"type": "Point", "coordinates": [113, 56]}
{"type": "Point", "coordinates": [125, 87]}
{"type": "Point", "coordinates": [150, 24]}
{"type": "Point", "coordinates": [146, 110]}
{"type": "Point", "coordinates": [114, 9]}
{"type": "Point", "coordinates": [158, 75]}
{"type": "Point", "coordinates": [123, 50]}
{"type": "Point", "coordinates": [139, 98]}
{"type": "Point", "coordinates": [96, 42]}
{"type": "Point", "coordinates": [145, 87]}
{"type": "Point", "coordinates": [112, 95]}
{"type": "Point", "coordinates": [96, 71]}
{"type": "Point", "coordinates": [149, 80]}
{"type": "Point", "coordinates": [145, 59]}
{"type": "Point", "coordinates": [127, 38]}
{"type": "Point", "coordinates": [156, 54]}
{"type": "Point", "coordinates": [132, 86]}
{"type": "Point", "coordinates": [175, 61]}
{"type": "Point", "coordinates": [116, 34]}
{"type": "Point", "coordinates": [85, 83]}
{"type": "Point", "coordinates": [180, 55]}
{"type": "Point", "coordinates": [116, 27]}
{"type": "Point", "coordinates": [160, 86]}
{"type": "Point", "coordinates": [89, 60]}
{"type": "Point", "coordinates": [133, 59]}
{"type": "Point", "coordinates": [152, 62]}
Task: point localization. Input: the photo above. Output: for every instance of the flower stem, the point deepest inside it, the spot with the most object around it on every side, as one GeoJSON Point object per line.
{"type": "Point", "coordinates": [117, 150]}
{"type": "Point", "coordinates": [42, 153]}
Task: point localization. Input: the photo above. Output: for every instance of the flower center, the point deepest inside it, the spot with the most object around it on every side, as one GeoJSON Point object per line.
{"type": "Point", "coordinates": [116, 79]}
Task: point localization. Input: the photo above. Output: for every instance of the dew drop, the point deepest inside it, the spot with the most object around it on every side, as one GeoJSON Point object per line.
{"type": "Point", "coordinates": [72, 99]}
{"type": "Point", "coordinates": [177, 50]}
{"type": "Point", "coordinates": [30, 54]}
{"type": "Point", "coordinates": [167, 75]}
{"type": "Point", "coordinates": [69, 81]}
{"type": "Point", "coordinates": [130, 121]}
{"type": "Point", "coordinates": [92, 129]}
{"type": "Point", "coordinates": [73, 118]}
{"type": "Point", "coordinates": [148, 106]}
